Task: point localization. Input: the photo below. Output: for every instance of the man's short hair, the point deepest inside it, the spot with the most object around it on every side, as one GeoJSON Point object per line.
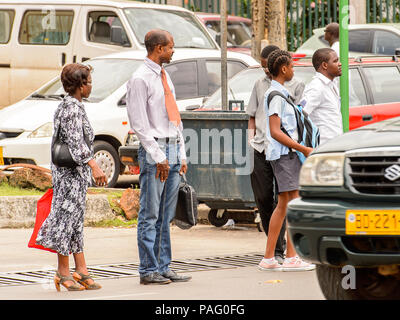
{"type": "Point", "coordinates": [156, 37]}
{"type": "Point", "coordinates": [333, 29]}
{"type": "Point", "coordinates": [267, 50]}
{"type": "Point", "coordinates": [320, 56]}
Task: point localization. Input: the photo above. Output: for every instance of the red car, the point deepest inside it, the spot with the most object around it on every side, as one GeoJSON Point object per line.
{"type": "Point", "coordinates": [239, 30]}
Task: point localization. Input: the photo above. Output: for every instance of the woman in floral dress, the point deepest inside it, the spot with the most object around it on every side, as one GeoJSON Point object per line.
{"type": "Point", "coordinates": [62, 231]}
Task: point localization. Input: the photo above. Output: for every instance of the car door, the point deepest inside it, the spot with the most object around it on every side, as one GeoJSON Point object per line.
{"type": "Point", "coordinates": [383, 83]}
{"type": "Point", "coordinates": [97, 25]}
{"type": "Point", "coordinates": [361, 112]}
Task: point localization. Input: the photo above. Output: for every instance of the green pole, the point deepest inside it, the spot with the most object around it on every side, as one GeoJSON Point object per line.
{"type": "Point", "coordinates": [344, 54]}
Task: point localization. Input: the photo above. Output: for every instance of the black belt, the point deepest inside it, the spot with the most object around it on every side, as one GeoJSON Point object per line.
{"type": "Point", "coordinates": [168, 140]}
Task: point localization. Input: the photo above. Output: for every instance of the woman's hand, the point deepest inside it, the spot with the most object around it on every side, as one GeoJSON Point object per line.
{"type": "Point", "coordinates": [98, 175]}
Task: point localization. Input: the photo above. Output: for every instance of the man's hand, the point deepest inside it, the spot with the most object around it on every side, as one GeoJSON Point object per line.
{"type": "Point", "coordinates": [183, 167]}
{"type": "Point", "coordinates": [307, 151]}
{"type": "Point", "coordinates": [162, 170]}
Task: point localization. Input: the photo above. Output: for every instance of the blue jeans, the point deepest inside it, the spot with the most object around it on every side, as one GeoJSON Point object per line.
{"type": "Point", "coordinates": [157, 209]}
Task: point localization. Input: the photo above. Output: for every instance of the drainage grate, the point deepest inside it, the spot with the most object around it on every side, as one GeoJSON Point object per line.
{"type": "Point", "coordinates": [110, 271]}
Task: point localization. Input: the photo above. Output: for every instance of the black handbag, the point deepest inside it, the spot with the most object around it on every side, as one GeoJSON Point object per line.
{"type": "Point", "coordinates": [60, 154]}
{"type": "Point", "coordinates": [186, 208]}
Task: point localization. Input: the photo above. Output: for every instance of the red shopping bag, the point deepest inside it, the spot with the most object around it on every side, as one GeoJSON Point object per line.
{"type": "Point", "coordinates": [43, 210]}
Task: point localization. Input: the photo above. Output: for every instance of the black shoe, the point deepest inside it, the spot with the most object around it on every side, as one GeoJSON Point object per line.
{"type": "Point", "coordinates": [154, 278]}
{"type": "Point", "coordinates": [175, 277]}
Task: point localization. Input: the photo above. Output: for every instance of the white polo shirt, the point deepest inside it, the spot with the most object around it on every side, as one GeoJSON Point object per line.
{"type": "Point", "coordinates": [322, 103]}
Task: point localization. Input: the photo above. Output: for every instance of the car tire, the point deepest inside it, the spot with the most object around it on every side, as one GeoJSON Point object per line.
{"type": "Point", "coordinates": [108, 160]}
{"type": "Point", "coordinates": [216, 221]}
{"type": "Point", "coordinates": [369, 285]}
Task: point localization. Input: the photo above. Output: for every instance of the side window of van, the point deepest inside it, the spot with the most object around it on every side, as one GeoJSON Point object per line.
{"type": "Point", "coordinates": [49, 28]}
{"type": "Point", "coordinates": [6, 22]}
{"type": "Point", "coordinates": [106, 27]}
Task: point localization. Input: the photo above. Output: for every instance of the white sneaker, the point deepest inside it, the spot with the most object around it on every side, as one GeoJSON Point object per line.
{"type": "Point", "coordinates": [269, 265]}
{"type": "Point", "coordinates": [296, 264]}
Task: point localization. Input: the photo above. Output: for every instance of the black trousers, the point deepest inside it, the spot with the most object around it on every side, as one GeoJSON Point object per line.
{"type": "Point", "coordinates": [264, 189]}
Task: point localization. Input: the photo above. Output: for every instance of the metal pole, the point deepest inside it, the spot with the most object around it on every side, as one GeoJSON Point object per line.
{"type": "Point", "coordinates": [344, 59]}
{"type": "Point", "coordinates": [224, 69]}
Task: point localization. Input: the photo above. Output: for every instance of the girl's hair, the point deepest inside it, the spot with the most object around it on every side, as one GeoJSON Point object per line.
{"type": "Point", "coordinates": [73, 76]}
{"type": "Point", "coordinates": [277, 59]}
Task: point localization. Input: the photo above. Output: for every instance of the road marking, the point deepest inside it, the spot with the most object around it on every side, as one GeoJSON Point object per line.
{"type": "Point", "coordinates": [120, 296]}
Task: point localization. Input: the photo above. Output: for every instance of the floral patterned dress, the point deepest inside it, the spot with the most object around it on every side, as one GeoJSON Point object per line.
{"type": "Point", "coordinates": [62, 231]}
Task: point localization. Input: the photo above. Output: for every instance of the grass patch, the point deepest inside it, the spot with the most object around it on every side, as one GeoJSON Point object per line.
{"type": "Point", "coordinates": [116, 223]}
{"type": "Point", "coordinates": [7, 190]}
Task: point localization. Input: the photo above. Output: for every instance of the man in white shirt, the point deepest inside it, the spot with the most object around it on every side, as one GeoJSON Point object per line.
{"type": "Point", "coordinates": [321, 99]}
{"type": "Point", "coordinates": [332, 36]}
{"type": "Point", "coordinates": [154, 117]}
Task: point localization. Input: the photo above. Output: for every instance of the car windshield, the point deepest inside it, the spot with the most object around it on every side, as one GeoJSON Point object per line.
{"type": "Point", "coordinates": [241, 85]}
{"type": "Point", "coordinates": [186, 30]}
{"type": "Point", "coordinates": [107, 76]}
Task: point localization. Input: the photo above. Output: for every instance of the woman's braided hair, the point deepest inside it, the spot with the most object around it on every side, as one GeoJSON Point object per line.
{"type": "Point", "coordinates": [277, 59]}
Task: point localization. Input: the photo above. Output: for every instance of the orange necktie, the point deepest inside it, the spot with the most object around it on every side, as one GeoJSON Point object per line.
{"type": "Point", "coordinates": [170, 103]}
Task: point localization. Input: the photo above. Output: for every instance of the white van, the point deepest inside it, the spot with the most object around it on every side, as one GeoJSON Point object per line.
{"type": "Point", "coordinates": [38, 37]}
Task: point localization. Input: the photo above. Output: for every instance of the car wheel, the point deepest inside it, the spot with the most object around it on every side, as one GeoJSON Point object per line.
{"type": "Point", "coordinates": [217, 221]}
{"type": "Point", "coordinates": [369, 285]}
{"type": "Point", "coordinates": [107, 159]}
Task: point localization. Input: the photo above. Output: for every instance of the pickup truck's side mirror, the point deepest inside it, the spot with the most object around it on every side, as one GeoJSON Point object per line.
{"type": "Point", "coordinates": [122, 101]}
{"type": "Point", "coordinates": [397, 52]}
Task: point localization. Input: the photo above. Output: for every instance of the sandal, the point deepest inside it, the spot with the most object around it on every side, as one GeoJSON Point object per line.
{"type": "Point", "coordinates": [59, 279]}
{"type": "Point", "coordinates": [83, 278]}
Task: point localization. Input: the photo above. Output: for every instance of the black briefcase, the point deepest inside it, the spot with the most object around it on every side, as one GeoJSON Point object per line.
{"type": "Point", "coordinates": [186, 208]}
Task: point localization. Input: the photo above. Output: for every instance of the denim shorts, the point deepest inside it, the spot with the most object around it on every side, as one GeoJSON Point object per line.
{"type": "Point", "coordinates": [286, 172]}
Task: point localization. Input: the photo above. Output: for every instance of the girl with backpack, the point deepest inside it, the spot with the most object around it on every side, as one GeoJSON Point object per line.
{"type": "Point", "coordinates": [282, 136]}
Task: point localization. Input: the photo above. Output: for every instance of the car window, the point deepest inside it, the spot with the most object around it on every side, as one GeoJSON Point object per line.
{"type": "Point", "coordinates": [214, 73]}
{"type": "Point", "coordinates": [385, 42]}
{"type": "Point", "coordinates": [304, 74]}
{"type": "Point", "coordinates": [239, 88]}
{"type": "Point", "coordinates": [6, 22]}
{"type": "Point", "coordinates": [384, 83]}
{"type": "Point", "coordinates": [357, 94]}
{"type": "Point", "coordinates": [184, 78]}
{"type": "Point", "coordinates": [359, 40]}
{"type": "Point", "coordinates": [38, 28]}
{"type": "Point", "coordinates": [106, 27]}
{"type": "Point", "coordinates": [185, 29]}
{"type": "Point", "coordinates": [107, 76]}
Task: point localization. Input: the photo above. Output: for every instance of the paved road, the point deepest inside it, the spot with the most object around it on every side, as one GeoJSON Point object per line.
{"type": "Point", "coordinates": [115, 245]}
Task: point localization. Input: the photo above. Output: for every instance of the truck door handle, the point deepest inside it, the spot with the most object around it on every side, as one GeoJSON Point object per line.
{"type": "Point", "coordinates": [74, 59]}
{"type": "Point", "coordinates": [63, 58]}
{"type": "Point", "coordinates": [367, 117]}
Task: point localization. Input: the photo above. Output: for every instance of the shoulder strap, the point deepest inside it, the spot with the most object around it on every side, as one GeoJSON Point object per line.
{"type": "Point", "coordinates": [277, 93]}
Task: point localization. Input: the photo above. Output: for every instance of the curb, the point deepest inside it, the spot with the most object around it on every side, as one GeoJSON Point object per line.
{"type": "Point", "coordinates": [20, 211]}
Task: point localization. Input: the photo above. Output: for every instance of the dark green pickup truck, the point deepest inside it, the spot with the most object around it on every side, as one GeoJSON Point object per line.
{"type": "Point", "coordinates": [348, 213]}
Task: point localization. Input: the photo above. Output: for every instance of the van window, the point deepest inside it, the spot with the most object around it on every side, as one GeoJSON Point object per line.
{"type": "Point", "coordinates": [6, 22]}
{"type": "Point", "coordinates": [385, 87]}
{"type": "Point", "coordinates": [108, 75]}
{"type": "Point", "coordinates": [184, 78]}
{"type": "Point", "coordinates": [49, 28]}
{"type": "Point", "coordinates": [106, 27]}
{"type": "Point", "coordinates": [385, 43]}
{"type": "Point", "coordinates": [214, 73]}
{"type": "Point", "coordinates": [184, 27]}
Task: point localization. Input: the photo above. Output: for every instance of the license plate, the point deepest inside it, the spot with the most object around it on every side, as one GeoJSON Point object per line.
{"type": "Point", "coordinates": [1, 156]}
{"type": "Point", "coordinates": [373, 222]}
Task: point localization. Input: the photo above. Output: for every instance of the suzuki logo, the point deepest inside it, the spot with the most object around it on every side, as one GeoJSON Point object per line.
{"type": "Point", "coordinates": [393, 172]}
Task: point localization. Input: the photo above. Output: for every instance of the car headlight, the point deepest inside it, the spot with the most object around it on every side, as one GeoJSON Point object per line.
{"type": "Point", "coordinates": [324, 169]}
{"type": "Point", "coordinates": [43, 131]}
